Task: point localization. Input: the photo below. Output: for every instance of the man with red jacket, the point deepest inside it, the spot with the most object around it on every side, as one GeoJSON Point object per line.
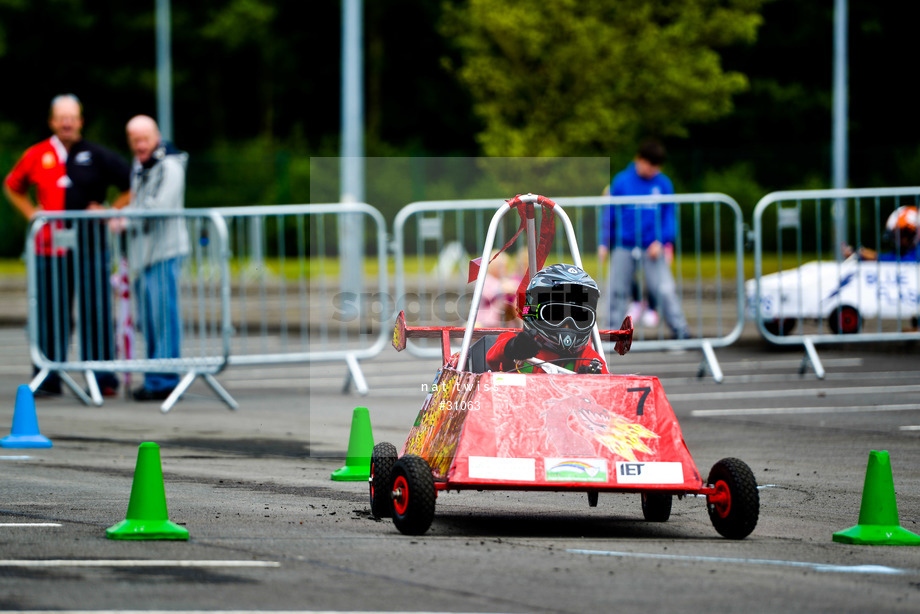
{"type": "Point", "coordinates": [70, 173]}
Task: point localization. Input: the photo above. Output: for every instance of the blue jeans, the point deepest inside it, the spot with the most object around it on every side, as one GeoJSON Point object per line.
{"type": "Point", "coordinates": [158, 300]}
{"type": "Point", "coordinates": [659, 282]}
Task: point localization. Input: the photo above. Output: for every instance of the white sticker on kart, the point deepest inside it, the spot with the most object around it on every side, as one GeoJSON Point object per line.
{"type": "Point", "coordinates": [649, 473]}
{"type": "Point", "coordinates": [509, 379]}
{"type": "Point", "coordinates": [575, 469]}
{"type": "Point", "coordinates": [511, 469]}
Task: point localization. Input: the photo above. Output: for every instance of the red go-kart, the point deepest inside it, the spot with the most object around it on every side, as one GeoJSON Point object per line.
{"type": "Point", "coordinates": [551, 431]}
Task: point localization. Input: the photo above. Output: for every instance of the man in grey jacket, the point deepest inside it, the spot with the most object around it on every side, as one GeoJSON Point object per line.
{"type": "Point", "coordinates": [157, 246]}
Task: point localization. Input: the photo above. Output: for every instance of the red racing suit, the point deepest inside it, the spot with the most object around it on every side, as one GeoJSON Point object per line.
{"type": "Point", "coordinates": [499, 362]}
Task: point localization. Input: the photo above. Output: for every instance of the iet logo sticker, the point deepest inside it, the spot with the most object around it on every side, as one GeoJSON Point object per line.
{"type": "Point", "coordinates": [575, 469]}
{"type": "Point", "coordinates": [649, 473]}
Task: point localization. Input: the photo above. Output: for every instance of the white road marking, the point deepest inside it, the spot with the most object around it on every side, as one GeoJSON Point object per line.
{"type": "Point", "coordinates": [911, 428]}
{"type": "Point", "coordinates": [131, 563]}
{"type": "Point", "coordinates": [783, 378]}
{"type": "Point", "coordinates": [30, 524]}
{"type": "Point", "coordinates": [15, 457]}
{"type": "Point", "coordinates": [791, 392]}
{"type": "Point", "coordinates": [636, 363]}
{"type": "Point", "coordinates": [877, 569]}
{"type": "Point", "coordinates": [767, 411]}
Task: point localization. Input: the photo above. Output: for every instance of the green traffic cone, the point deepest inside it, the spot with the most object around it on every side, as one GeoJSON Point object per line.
{"type": "Point", "coordinates": [147, 517]}
{"type": "Point", "coordinates": [360, 445]}
{"type": "Point", "coordinates": [878, 511]}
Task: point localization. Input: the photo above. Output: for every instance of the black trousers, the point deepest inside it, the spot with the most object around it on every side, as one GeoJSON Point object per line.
{"type": "Point", "coordinates": [57, 279]}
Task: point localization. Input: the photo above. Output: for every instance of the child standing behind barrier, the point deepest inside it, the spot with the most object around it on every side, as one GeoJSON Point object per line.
{"type": "Point", "coordinates": [496, 307]}
{"type": "Point", "coordinates": [646, 233]}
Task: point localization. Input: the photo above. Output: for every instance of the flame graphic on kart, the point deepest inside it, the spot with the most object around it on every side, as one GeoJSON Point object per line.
{"type": "Point", "coordinates": [594, 426]}
{"type": "Point", "coordinates": [614, 432]}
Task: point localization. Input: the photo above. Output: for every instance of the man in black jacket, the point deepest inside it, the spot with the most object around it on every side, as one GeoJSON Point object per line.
{"type": "Point", "coordinates": [86, 171]}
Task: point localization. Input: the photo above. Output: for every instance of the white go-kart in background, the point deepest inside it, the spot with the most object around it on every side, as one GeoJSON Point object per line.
{"type": "Point", "coordinates": [843, 296]}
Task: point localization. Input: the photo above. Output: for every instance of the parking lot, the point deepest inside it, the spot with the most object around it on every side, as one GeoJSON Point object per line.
{"type": "Point", "coordinates": [269, 530]}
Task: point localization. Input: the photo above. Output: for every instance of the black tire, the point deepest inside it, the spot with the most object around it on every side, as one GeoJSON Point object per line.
{"type": "Point", "coordinates": [844, 320]}
{"type": "Point", "coordinates": [735, 507]}
{"type": "Point", "coordinates": [656, 506]}
{"type": "Point", "coordinates": [413, 495]}
{"type": "Point", "coordinates": [382, 460]}
{"type": "Point", "coordinates": [779, 327]}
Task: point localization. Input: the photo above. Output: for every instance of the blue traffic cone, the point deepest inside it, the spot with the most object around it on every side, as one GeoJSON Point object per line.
{"type": "Point", "coordinates": [25, 432]}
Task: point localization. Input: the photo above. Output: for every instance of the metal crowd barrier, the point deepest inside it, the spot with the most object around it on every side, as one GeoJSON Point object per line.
{"type": "Point", "coordinates": [87, 272]}
{"type": "Point", "coordinates": [817, 291]}
{"type": "Point", "coordinates": [298, 296]}
{"type": "Point", "coordinates": [258, 286]}
{"type": "Point", "coordinates": [434, 240]}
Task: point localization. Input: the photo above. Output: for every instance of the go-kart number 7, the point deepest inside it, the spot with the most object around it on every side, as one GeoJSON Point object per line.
{"type": "Point", "coordinates": [640, 408]}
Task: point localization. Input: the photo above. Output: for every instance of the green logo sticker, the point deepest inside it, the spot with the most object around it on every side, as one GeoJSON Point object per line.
{"type": "Point", "coordinates": [576, 469]}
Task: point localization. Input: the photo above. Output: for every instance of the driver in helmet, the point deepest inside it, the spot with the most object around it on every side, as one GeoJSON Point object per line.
{"type": "Point", "coordinates": [902, 231]}
{"type": "Point", "coordinates": [559, 316]}
{"type": "Point", "coordinates": [901, 234]}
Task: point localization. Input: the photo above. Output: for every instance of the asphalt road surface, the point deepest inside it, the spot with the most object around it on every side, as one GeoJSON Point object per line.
{"type": "Point", "coordinates": [270, 531]}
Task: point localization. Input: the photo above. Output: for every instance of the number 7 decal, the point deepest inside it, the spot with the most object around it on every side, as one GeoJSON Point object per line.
{"type": "Point", "coordinates": [640, 408]}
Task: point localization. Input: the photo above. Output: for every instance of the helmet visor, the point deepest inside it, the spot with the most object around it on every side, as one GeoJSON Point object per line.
{"type": "Point", "coordinates": [555, 314]}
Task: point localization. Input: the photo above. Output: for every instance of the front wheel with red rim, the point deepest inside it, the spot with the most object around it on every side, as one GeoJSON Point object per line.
{"type": "Point", "coordinates": [413, 495]}
{"type": "Point", "coordinates": [734, 507]}
{"type": "Point", "coordinates": [383, 458]}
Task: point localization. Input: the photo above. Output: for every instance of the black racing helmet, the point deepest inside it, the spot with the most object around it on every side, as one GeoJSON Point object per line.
{"type": "Point", "coordinates": [561, 308]}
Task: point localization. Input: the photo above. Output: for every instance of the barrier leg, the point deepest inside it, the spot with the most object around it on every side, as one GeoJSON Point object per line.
{"type": "Point", "coordinates": [187, 380]}
{"type": "Point", "coordinates": [710, 363]}
{"type": "Point", "coordinates": [39, 378]}
{"type": "Point", "coordinates": [220, 391]}
{"type": "Point", "coordinates": [811, 357]}
{"type": "Point", "coordinates": [69, 381]}
{"type": "Point", "coordinates": [178, 391]}
{"type": "Point", "coordinates": [77, 390]}
{"type": "Point", "coordinates": [93, 386]}
{"type": "Point", "coordinates": [355, 376]}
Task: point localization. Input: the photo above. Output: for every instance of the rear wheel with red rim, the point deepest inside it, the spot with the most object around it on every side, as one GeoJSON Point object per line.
{"type": "Point", "coordinates": [656, 506]}
{"type": "Point", "coordinates": [734, 507]}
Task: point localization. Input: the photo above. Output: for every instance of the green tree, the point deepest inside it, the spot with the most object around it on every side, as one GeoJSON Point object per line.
{"type": "Point", "coordinates": [245, 26]}
{"type": "Point", "coordinates": [571, 77]}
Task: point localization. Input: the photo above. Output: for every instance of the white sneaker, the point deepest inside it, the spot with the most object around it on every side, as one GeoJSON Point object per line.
{"type": "Point", "coordinates": [635, 312]}
{"type": "Point", "coordinates": [650, 318]}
